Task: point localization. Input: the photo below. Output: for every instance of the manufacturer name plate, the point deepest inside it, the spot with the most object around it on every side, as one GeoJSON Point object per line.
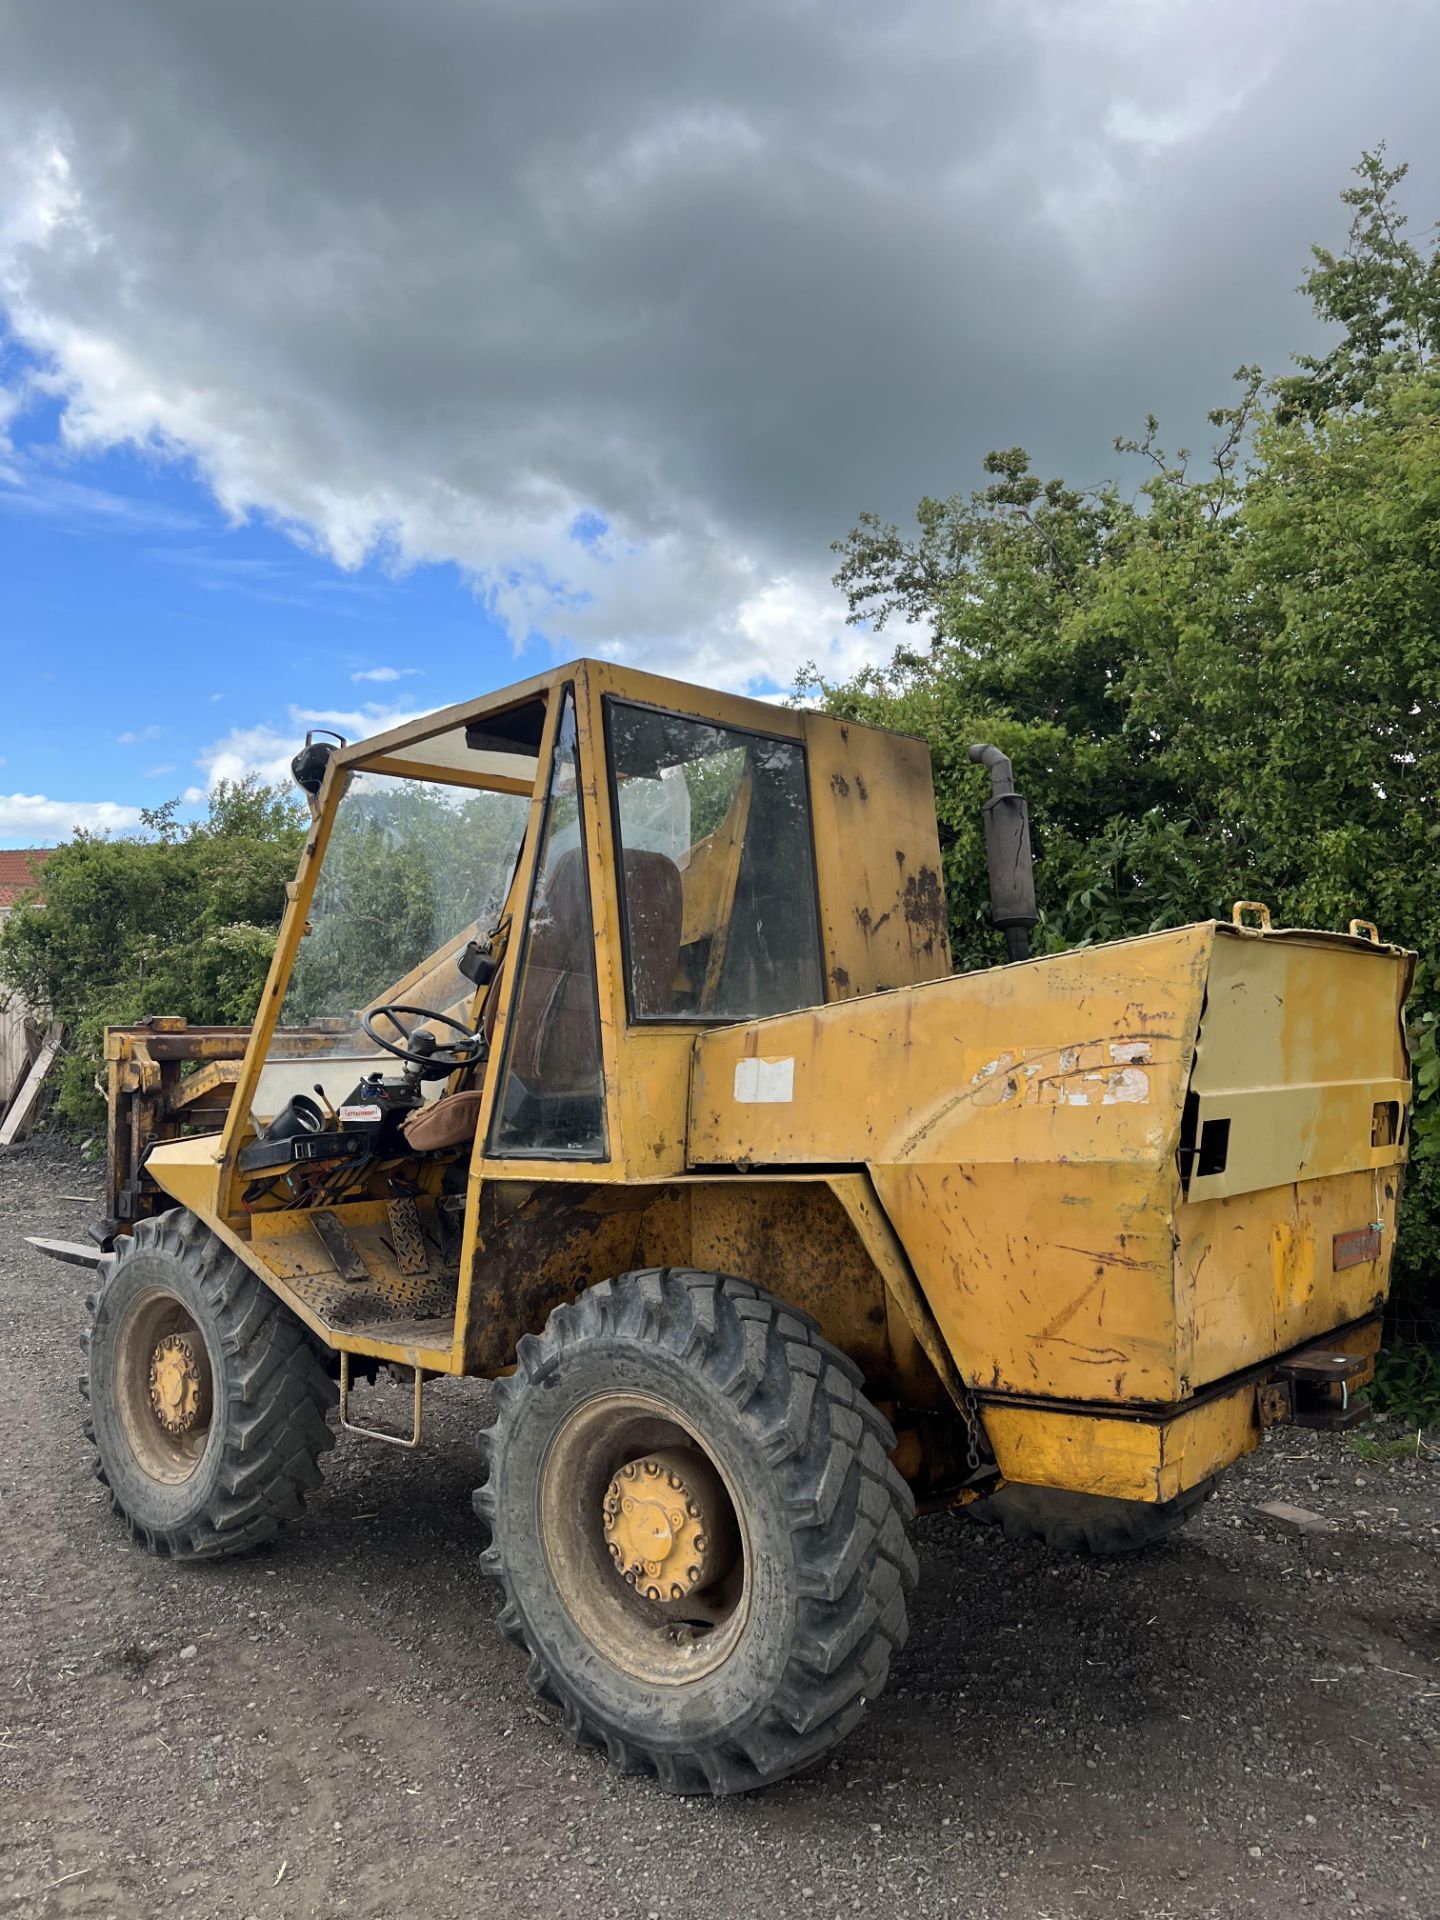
{"type": "Point", "coordinates": [1356, 1248]}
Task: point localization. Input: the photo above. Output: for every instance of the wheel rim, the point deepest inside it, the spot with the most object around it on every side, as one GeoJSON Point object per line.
{"type": "Point", "coordinates": [164, 1388]}
{"type": "Point", "coordinates": [645, 1539]}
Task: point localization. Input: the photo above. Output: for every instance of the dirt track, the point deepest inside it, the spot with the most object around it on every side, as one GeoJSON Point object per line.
{"type": "Point", "coordinates": [1242, 1723]}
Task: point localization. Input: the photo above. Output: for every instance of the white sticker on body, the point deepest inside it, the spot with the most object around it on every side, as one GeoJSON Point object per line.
{"type": "Point", "coordinates": [764, 1082]}
{"type": "Point", "coordinates": [361, 1113]}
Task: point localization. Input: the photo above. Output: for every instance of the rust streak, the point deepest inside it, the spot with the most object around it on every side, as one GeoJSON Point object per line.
{"type": "Point", "coordinates": [1106, 1259]}
{"type": "Point", "coordinates": [1068, 1313]}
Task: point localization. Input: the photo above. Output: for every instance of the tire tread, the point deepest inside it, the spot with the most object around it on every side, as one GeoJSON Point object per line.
{"type": "Point", "coordinates": [277, 1394]}
{"type": "Point", "coordinates": [828, 1448]}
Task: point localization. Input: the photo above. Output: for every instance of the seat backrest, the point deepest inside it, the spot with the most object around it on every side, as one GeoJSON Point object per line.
{"type": "Point", "coordinates": [554, 1049]}
{"type": "Point", "coordinates": [654, 911]}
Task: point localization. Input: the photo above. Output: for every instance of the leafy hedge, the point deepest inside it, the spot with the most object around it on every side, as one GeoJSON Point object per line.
{"type": "Point", "coordinates": [183, 922]}
{"type": "Point", "coordinates": [1224, 687]}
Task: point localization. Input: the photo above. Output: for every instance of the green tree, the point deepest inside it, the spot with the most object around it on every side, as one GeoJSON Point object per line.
{"type": "Point", "coordinates": [1383, 293]}
{"type": "Point", "coordinates": [180, 922]}
{"type": "Point", "coordinates": [1224, 687]}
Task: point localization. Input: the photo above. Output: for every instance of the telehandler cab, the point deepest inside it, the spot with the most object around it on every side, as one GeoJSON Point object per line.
{"type": "Point", "coordinates": [611, 1051]}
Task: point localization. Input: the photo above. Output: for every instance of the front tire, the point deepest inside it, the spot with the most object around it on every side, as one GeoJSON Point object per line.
{"type": "Point", "coordinates": [207, 1395]}
{"type": "Point", "coordinates": [698, 1532]}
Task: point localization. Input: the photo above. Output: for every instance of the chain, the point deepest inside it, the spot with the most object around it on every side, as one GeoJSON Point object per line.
{"type": "Point", "coordinates": [974, 1431]}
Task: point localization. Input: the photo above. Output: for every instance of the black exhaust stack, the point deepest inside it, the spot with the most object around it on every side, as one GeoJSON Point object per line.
{"type": "Point", "coordinates": [1008, 855]}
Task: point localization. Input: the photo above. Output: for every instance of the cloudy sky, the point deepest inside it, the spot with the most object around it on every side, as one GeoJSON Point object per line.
{"type": "Point", "coordinates": [360, 355]}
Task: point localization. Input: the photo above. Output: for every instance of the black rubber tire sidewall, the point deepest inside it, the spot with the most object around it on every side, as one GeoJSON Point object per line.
{"type": "Point", "coordinates": [159, 1507]}
{"type": "Point", "coordinates": [712, 1708]}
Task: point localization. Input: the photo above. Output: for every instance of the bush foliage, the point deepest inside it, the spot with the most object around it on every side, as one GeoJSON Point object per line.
{"type": "Point", "coordinates": [1224, 687]}
{"type": "Point", "coordinates": [181, 921]}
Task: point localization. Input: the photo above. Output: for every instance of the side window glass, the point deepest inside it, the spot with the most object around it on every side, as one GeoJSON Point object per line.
{"type": "Point", "coordinates": [552, 1101]}
{"type": "Point", "coordinates": [718, 869]}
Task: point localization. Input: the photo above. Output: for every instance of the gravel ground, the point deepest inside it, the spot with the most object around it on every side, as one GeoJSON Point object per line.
{"type": "Point", "coordinates": [1242, 1722]}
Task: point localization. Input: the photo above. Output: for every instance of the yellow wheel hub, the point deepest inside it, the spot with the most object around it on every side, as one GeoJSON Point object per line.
{"type": "Point", "coordinates": [177, 1387]}
{"type": "Point", "coordinates": [663, 1514]}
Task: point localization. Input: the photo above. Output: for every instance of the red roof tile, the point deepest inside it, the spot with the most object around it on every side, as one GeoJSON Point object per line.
{"type": "Point", "coordinates": [17, 873]}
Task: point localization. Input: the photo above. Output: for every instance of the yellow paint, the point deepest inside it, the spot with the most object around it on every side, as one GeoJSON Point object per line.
{"type": "Point", "coordinates": [877, 858]}
{"type": "Point", "coordinates": [985, 1182]}
{"type": "Point", "coordinates": [1022, 1127]}
{"type": "Point", "coordinates": [1035, 1295]}
{"type": "Point", "coordinates": [1122, 1459]}
{"type": "Point", "coordinates": [189, 1171]}
{"type": "Point", "coordinates": [1254, 1273]}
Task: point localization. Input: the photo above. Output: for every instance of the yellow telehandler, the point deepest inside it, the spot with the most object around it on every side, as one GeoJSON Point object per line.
{"type": "Point", "coordinates": [611, 1051]}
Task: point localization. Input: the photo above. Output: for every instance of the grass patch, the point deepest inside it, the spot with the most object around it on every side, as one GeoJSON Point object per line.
{"type": "Point", "coordinates": [1405, 1446]}
{"type": "Point", "coordinates": [1407, 1381]}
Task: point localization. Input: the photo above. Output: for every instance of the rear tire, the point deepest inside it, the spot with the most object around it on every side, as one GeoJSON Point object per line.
{"type": "Point", "coordinates": [207, 1395]}
{"type": "Point", "coordinates": [738, 1404]}
{"type": "Point", "coordinates": [1086, 1522]}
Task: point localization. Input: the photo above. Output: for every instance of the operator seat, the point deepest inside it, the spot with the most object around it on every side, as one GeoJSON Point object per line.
{"type": "Point", "coordinates": [654, 919]}
{"type": "Point", "coordinates": [554, 1044]}
{"type": "Point", "coordinates": [554, 1035]}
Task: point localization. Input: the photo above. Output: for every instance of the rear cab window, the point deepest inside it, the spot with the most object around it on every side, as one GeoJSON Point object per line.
{"type": "Point", "coordinates": [716, 858]}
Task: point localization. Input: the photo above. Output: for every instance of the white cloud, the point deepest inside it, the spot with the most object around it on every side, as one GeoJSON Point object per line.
{"type": "Point", "coordinates": [384, 673]}
{"type": "Point", "coordinates": [636, 307]}
{"type": "Point", "coordinates": [129, 739]}
{"type": "Point", "coordinates": [267, 749]}
{"type": "Point", "coordinates": [29, 818]}
{"type": "Point", "coordinates": [29, 490]}
{"type": "Point", "coordinates": [261, 749]}
{"type": "Point", "coordinates": [156, 773]}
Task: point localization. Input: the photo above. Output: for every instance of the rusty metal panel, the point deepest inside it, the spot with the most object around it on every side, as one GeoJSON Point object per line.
{"type": "Point", "coordinates": [1046, 1279]}
{"type": "Point", "coordinates": [794, 1239]}
{"type": "Point", "coordinates": [1358, 1248]}
{"type": "Point", "coordinates": [1255, 1272]}
{"type": "Point", "coordinates": [877, 858]}
{"type": "Point", "coordinates": [922, 1363]}
{"type": "Point", "coordinates": [1020, 1127]}
{"type": "Point", "coordinates": [536, 1247]}
{"type": "Point", "coordinates": [1023, 1128]}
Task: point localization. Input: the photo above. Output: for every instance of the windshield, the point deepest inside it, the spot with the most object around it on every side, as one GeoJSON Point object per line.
{"type": "Point", "coordinates": [413, 871]}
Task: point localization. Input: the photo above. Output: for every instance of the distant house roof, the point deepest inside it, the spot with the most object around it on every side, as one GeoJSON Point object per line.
{"type": "Point", "coordinates": [17, 871]}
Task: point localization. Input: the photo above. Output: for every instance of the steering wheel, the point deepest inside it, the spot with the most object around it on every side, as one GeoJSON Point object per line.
{"type": "Point", "coordinates": [420, 1049]}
